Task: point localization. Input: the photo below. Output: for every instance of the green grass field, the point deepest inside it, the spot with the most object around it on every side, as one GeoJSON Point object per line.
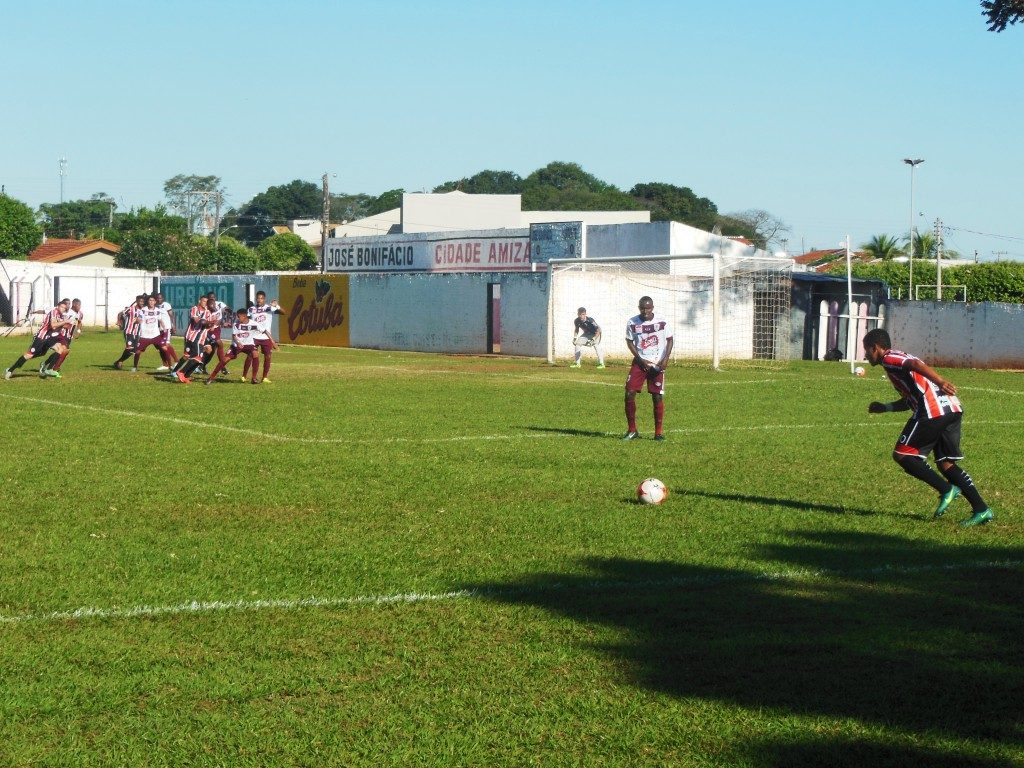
{"type": "Point", "coordinates": [407, 559]}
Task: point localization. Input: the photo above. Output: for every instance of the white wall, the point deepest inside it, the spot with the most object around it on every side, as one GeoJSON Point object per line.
{"type": "Point", "coordinates": [426, 212]}
{"type": "Point", "coordinates": [104, 291]}
{"type": "Point", "coordinates": [978, 335]}
{"type": "Point", "coordinates": [446, 312]}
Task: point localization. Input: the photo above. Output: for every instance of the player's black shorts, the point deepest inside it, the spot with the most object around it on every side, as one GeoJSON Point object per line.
{"type": "Point", "coordinates": [194, 348]}
{"type": "Point", "coordinates": [922, 436]}
{"type": "Point", "coordinates": [42, 346]}
{"type": "Point", "coordinates": [131, 341]}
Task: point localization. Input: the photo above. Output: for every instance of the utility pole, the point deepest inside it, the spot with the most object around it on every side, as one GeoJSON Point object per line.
{"type": "Point", "coordinates": [938, 259]}
{"type": "Point", "coordinates": [913, 163]}
{"type": "Point", "coordinates": [216, 222]}
{"type": "Point", "coordinates": [323, 225]}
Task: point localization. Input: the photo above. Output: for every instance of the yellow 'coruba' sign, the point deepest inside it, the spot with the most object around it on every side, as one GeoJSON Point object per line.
{"type": "Point", "coordinates": [315, 310]}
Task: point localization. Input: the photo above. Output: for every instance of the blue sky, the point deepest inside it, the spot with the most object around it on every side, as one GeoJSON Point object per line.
{"type": "Point", "coordinates": [804, 109]}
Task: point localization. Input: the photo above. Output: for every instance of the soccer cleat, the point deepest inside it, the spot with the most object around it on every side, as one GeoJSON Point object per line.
{"type": "Point", "coordinates": [8, 373]}
{"type": "Point", "coordinates": [255, 381]}
{"type": "Point", "coordinates": [182, 378]}
{"type": "Point", "coordinates": [978, 518]}
{"type": "Point", "coordinates": [266, 381]}
{"type": "Point", "coordinates": [52, 373]}
{"type": "Point", "coordinates": [574, 365]}
{"type": "Point", "coordinates": [42, 373]}
{"type": "Point", "coordinates": [208, 382]}
{"type": "Point", "coordinates": [135, 370]}
{"type": "Point", "coordinates": [600, 365]}
{"type": "Point", "coordinates": [242, 379]}
{"type": "Point", "coordinates": [631, 436]}
{"type": "Point", "coordinates": [659, 438]}
{"type": "Point", "coordinates": [117, 364]}
{"type": "Point", "coordinates": [945, 499]}
{"type": "Point", "coordinates": [226, 371]}
{"type": "Point", "coordinates": [162, 368]}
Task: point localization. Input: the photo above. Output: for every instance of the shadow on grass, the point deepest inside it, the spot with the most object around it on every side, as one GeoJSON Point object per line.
{"type": "Point", "coordinates": [569, 431]}
{"type": "Point", "coordinates": [770, 501]}
{"type": "Point", "coordinates": [909, 635]}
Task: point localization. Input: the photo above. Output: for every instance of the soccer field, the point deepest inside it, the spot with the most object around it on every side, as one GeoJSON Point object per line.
{"type": "Point", "coordinates": [407, 559]}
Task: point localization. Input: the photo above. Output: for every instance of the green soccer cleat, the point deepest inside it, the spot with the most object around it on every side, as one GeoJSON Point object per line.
{"type": "Point", "coordinates": [574, 365]}
{"type": "Point", "coordinates": [945, 499]}
{"type": "Point", "coordinates": [978, 518]}
{"type": "Point", "coordinates": [600, 365]}
{"type": "Point", "coordinates": [631, 436]}
{"type": "Point", "coordinates": [52, 373]}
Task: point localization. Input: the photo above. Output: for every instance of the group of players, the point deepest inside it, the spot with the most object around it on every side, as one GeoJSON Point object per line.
{"type": "Point", "coordinates": [149, 322]}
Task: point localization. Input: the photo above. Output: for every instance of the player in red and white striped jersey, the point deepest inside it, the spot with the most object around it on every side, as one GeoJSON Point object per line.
{"type": "Point", "coordinates": [129, 324]}
{"type": "Point", "coordinates": [47, 337]}
{"type": "Point", "coordinates": [199, 323]}
{"type": "Point", "coordinates": [69, 333]}
{"type": "Point", "coordinates": [220, 313]}
{"type": "Point", "coordinates": [934, 426]}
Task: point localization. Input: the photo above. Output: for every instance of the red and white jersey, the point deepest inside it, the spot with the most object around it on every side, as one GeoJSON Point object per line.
{"type": "Point", "coordinates": [49, 327]}
{"type": "Point", "coordinates": [74, 318]}
{"type": "Point", "coordinates": [152, 322]}
{"type": "Point", "coordinates": [263, 316]}
{"type": "Point", "coordinates": [243, 334]}
{"type": "Point", "coordinates": [925, 398]}
{"type": "Point", "coordinates": [197, 324]}
{"type": "Point", "coordinates": [650, 337]}
{"type": "Point", "coordinates": [129, 320]}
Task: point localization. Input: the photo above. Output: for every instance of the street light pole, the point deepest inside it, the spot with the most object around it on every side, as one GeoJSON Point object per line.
{"type": "Point", "coordinates": [913, 164]}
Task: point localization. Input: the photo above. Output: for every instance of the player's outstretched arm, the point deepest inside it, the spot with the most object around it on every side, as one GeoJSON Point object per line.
{"type": "Point", "coordinates": [897, 405]}
{"type": "Point", "coordinates": [919, 366]}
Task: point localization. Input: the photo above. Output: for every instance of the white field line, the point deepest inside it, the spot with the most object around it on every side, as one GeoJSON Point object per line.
{"type": "Point", "coordinates": [1018, 393]}
{"type": "Point", "coordinates": [460, 438]}
{"type": "Point", "coordinates": [596, 586]}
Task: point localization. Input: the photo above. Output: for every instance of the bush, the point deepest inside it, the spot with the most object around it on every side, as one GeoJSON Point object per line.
{"type": "Point", "coordinates": [994, 281]}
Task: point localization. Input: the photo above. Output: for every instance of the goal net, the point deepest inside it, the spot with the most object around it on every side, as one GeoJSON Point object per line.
{"type": "Point", "coordinates": [721, 308]}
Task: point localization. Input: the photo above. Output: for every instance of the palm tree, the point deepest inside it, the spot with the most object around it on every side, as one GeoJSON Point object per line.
{"type": "Point", "coordinates": [882, 247]}
{"type": "Point", "coordinates": [926, 246]}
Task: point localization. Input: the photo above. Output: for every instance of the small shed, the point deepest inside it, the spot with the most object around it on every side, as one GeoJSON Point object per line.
{"type": "Point", "coordinates": [810, 289]}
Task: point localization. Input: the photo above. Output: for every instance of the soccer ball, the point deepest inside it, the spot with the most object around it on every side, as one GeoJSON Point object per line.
{"type": "Point", "coordinates": [859, 370]}
{"type": "Point", "coordinates": [651, 491]}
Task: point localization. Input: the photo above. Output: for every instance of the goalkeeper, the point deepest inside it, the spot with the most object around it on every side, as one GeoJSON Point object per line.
{"type": "Point", "coordinates": [587, 333]}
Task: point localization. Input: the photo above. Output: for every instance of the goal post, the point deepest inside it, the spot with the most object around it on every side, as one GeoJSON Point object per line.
{"type": "Point", "coordinates": [721, 307]}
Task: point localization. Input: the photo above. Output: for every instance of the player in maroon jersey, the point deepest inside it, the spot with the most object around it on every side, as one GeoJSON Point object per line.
{"type": "Point", "coordinates": [263, 315]}
{"type": "Point", "coordinates": [650, 340]}
{"type": "Point", "coordinates": [242, 343]}
{"type": "Point", "coordinates": [49, 336]}
{"type": "Point", "coordinates": [934, 426]}
{"type": "Point", "coordinates": [129, 324]}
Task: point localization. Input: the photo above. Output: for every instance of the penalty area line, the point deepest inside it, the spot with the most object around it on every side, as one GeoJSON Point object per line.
{"type": "Point", "coordinates": [592, 586]}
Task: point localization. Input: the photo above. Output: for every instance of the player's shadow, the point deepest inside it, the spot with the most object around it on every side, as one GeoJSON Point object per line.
{"type": "Point", "coordinates": [891, 633]}
{"type": "Point", "coordinates": [570, 431]}
{"type": "Point", "coordinates": [771, 501]}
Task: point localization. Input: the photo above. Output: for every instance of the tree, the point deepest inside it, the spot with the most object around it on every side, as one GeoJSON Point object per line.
{"type": "Point", "coordinates": [567, 187]}
{"type": "Point", "coordinates": [1000, 13]}
{"type": "Point", "coordinates": [883, 247]}
{"type": "Point", "coordinates": [385, 202]}
{"type": "Point", "coordinates": [668, 202]}
{"type": "Point", "coordinates": [926, 247]}
{"type": "Point", "coordinates": [158, 219]}
{"type": "Point", "coordinates": [286, 252]}
{"type": "Point", "coordinates": [228, 256]}
{"type": "Point", "coordinates": [276, 206]}
{"type": "Point", "coordinates": [486, 183]}
{"type": "Point", "coordinates": [19, 233]}
{"type": "Point", "coordinates": [193, 196]}
{"type": "Point", "coordinates": [767, 229]}
{"type": "Point", "coordinates": [78, 218]}
{"type": "Point", "coordinates": [346, 207]}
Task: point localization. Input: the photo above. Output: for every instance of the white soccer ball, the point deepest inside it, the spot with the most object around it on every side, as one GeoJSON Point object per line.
{"type": "Point", "coordinates": [859, 370]}
{"type": "Point", "coordinates": [651, 491]}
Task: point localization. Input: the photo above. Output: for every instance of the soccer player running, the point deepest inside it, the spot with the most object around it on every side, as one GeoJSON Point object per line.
{"type": "Point", "coordinates": [649, 338]}
{"type": "Point", "coordinates": [153, 322]}
{"type": "Point", "coordinates": [263, 315]}
{"type": "Point", "coordinates": [934, 426]}
{"type": "Point", "coordinates": [242, 343]}
{"type": "Point", "coordinates": [69, 333]}
{"type": "Point", "coordinates": [128, 321]}
{"type": "Point", "coordinates": [587, 333]}
{"type": "Point", "coordinates": [49, 336]}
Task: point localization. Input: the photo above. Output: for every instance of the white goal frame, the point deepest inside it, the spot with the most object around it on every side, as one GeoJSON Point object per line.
{"type": "Point", "coordinates": [713, 269]}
